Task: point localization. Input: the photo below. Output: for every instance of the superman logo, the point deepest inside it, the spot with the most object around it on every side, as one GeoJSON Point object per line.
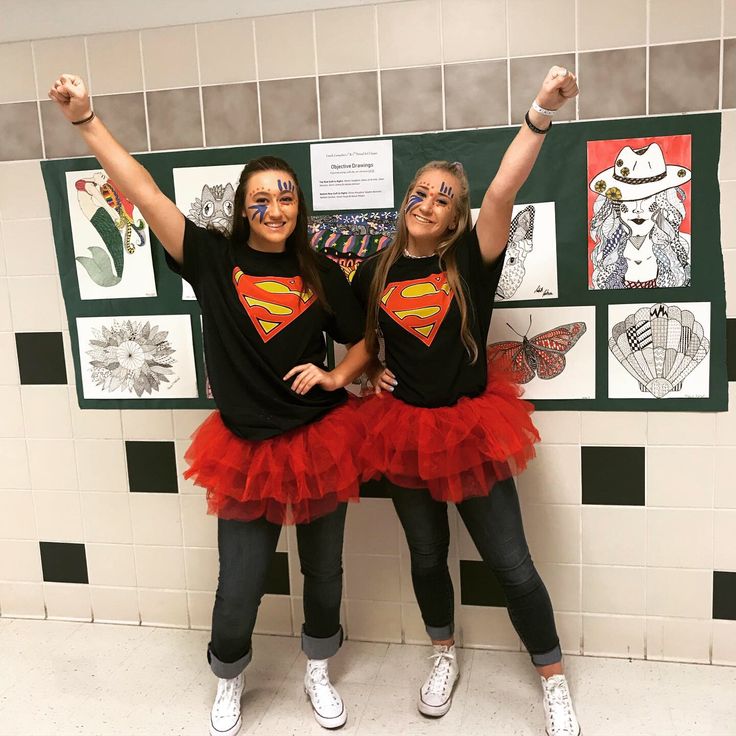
{"type": "Point", "coordinates": [272, 302]}
{"type": "Point", "coordinates": [419, 306]}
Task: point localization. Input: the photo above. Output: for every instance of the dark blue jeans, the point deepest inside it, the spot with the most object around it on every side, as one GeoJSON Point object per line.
{"type": "Point", "coordinates": [494, 523]}
{"type": "Point", "coordinates": [246, 550]}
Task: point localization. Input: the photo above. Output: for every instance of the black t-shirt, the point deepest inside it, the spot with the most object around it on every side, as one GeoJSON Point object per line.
{"type": "Point", "coordinates": [420, 322]}
{"type": "Point", "coordinates": [258, 326]}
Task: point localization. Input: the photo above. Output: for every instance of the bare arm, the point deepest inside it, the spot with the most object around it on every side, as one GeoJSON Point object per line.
{"type": "Point", "coordinates": [349, 368]}
{"type": "Point", "coordinates": [161, 214]}
{"type": "Point", "coordinates": [495, 212]}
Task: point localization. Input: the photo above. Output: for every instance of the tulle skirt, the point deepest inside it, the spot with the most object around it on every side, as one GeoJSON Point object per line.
{"type": "Point", "coordinates": [291, 478]}
{"type": "Point", "coordinates": [456, 452]}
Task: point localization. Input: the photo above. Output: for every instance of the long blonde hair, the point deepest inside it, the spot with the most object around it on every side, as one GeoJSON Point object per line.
{"type": "Point", "coordinates": [445, 250]}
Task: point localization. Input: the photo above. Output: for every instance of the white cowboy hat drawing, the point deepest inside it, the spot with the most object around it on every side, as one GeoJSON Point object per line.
{"type": "Point", "coordinates": [638, 173]}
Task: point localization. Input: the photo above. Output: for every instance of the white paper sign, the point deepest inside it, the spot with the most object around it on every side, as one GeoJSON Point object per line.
{"type": "Point", "coordinates": [353, 175]}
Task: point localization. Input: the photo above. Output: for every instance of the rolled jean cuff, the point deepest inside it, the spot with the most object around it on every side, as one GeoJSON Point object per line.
{"type": "Point", "coordinates": [228, 670]}
{"type": "Point", "coordinates": [440, 633]}
{"type": "Point", "coordinates": [553, 656]}
{"type": "Point", "coordinates": [321, 647]}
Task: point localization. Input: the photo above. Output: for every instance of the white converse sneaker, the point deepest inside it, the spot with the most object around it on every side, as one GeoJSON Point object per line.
{"type": "Point", "coordinates": [225, 719]}
{"type": "Point", "coordinates": [435, 696]}
{"type": "Point", "coordinates": [329, 710]}
{"type": "Point", "coordinates": [558, 711]}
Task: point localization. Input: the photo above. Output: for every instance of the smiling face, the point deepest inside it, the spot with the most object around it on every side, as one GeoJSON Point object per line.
{"type": "Point", "coordinates": [271, 206]}
{"type": "Point", "coordinates": [430, 211]}
{"type": "Point", "coordinates": [638, 214]}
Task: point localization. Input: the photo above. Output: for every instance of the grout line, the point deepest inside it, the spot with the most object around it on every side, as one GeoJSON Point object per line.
{"type": "Point", "coordinates": [378, 70]}
{"type": "Point", "coordinates": [508, 64]}
{"type": "Point", "coordinates": [258, 80]}
{"type": "Point", "coordinates": [646, 101]}
{"type": "Point", "coordinates": [442, 64]}
{"type": "Point", "coordinates": [199, 85]}
{"type": "Point", "coordinates": [38, 101]}
{"type": "Point", "coordinates": [316, 75]}
{"type": "Point", "coordinates": [145, 91]}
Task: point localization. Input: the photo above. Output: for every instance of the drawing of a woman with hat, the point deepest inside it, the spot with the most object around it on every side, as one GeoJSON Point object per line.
{"type": "Point", "coordinates": [636, 222]}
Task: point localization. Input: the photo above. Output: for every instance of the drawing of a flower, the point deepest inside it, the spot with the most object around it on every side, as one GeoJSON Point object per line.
{"type": "Point", "coordinates": [131, 356]}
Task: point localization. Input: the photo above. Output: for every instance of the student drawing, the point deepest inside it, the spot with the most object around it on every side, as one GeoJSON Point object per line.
{"type": "Point", "coordinates": [639, 213]}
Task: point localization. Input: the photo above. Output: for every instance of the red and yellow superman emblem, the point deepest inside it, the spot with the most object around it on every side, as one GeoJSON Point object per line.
{"type": "Point", "coordinates": [272, 302]}
{"type": "Point", "coordinates": [419, 306]}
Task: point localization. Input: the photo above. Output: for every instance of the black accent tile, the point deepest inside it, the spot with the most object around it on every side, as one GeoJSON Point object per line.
{"type": "Point", "coordinates": [374, 489]}
{"type": "Point", "coordinates": [479, 586]}
{"type": "Point", "coordinates": [151, 467]}
{"type": "Point", "coordinates": [40, 357]}
{"type": "Point", "coordinates": [613, 476]}
{"type": "Point", "coordinates": [277, 578]}
{"type": "Point", "coordinates": [724, 595]}
{"type": "Point", "coordinates": [63, 562]}
{"type": "Point", "coordinates": [731, 348]}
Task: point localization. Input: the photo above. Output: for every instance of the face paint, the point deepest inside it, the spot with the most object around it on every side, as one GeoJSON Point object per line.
{"type": "Point", "coordinates": [259, 209]}
{"type": "Point", "coordinates": [414, 200]}
{"type": "Point", "coordinates": [444, 189]}
{"type": "Point", "coordinates": [286, 186]}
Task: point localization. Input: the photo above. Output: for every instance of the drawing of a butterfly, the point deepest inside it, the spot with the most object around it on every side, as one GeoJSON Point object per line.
{"type": "Point", "coordinates": [542, 355]}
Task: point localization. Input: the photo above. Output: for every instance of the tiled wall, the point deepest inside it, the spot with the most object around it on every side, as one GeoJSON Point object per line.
{"type": "Point", "coordinates": [631, 517]}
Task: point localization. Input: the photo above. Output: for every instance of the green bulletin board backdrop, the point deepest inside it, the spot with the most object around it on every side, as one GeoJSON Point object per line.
{"type": "Point", "coordinates": [560, 175]}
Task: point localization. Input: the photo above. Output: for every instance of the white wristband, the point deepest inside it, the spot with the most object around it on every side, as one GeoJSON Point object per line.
{"type": "Point", "coordinates": [542, 110]}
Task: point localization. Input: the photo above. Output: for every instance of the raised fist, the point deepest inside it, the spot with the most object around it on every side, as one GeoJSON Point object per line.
{"type": "Point", "coordinates": [558, 87]}
{"type": "Point", "coordinates": [71, 95]}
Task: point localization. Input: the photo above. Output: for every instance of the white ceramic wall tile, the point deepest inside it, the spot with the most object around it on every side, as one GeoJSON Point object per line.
{"type": "Point", "coordinates": [276, 33]}
{"type": "Point", "coordinates": [614, 535]}
{"type": "Point", "coordinates": [163, 608]}
{"type": "Point", "coordinates": [483, 38]}
{"type": "Point", "coordinates": [726, 420]}
{"type": "Point", "coordinates": [67, 602]}
{"type": "Point", "coordinates": [169, 57]}
{"type": "Point", "coordinates": [553, 476]}
{"type": "Point", "coordinates": [202, 566]}
{"type": "Point", "coordinates": [570, 631]}
{"type": "Point", "coordinates": [126, 74]}
{"type": "Point", "coordinates": [46, 412]}
{"type": "Point", "coordinates": [600, 26]}
{"type": "Point", "coordinates": [93, 423]}
{"type": "Point", "coordinates": [487, 627]}
{"type": "Point", "coordinates": [107, 518]}
{"type": "Point", "coordinates": [553, 532]}
{"type": "Point", "coordinates": [274, 616]}
{"type": "Point", "coordinates": [340, 23]}
{"type": "Point", "coordinates": [14, 471]}
{"type": "Point", "coordinates": [226, 52]}
{"type": "Point", "coordinates": [372, 527]}
{"type": "Point", "coordinates": [200, 609]}
{"type": "Point", "coordinates": [381, 621]}
{"type": "Point", "coordinates": [614, 428]}
{"type": "Point", "coordinates": [11, 417]}
{"type": "Point", "coordinates": [21, 85]}
{"type": "Point", "coordinates": [114, 605]}
{"type": "Point", "coordinates": [667, 530]}
{"type": "Point", "coordinates": [679, 593]}
{"type": "Point", "coordinates": [186, 486]}
{"type": "Point", "coordinates": [28, 201]}
{"type": "Point", "coordinates": [148, 424]}
{"type": "Point", "coordinates": [680, 476]}
{"type": "Point", "coordinates": [160, 567]}
{"type": "Point", "coordinates": [156, 518]}
{"type": "Point", "coordinates": [55, 56]}
{"type": "Point", "coordinates": [34, 304]}
{"type": "Point", "coordinates": [614, 636]}
{"type": "Point", "coordinates": [724, 641]}
{"type": "Point", "coordinates": [681, 20]}
{"type": "Point", "coordinates": [563, 585]}
{"type": "Point", "coordinates": [20, 560]}
{"type": "Point", "coordinates": [614, 590]}
{"type": "Point", "coordinates": [6, 317]}
{"type": "Point", "coordinates": [199, 527]}
{"type": "Point", "coordinates": [111, 565]}
{"type": "Point", "coordinates": [724, 540]}
{"type": "Point", "coordinates": [727, 162]}
{"type": "Point", "coordinates": [58, 516]}
{"type": "Point", "coordinates": [558, 427]}
{"type": "Point", "coordinates": [725, 495]}
{"type": "Point", "coordinates": [371, 578]}
{"type": "Point", "coordinates": [679, 639]}
{"type": "Point", "coordinates": [729, 272]}
{"type": "Point", "coordinates": [8, 360]}
{"type": "Point", "coordinates": [187, 420]}
{"type": "Point", "coordinates": [101, 465]}
{"type": "Point", "coordinates": [409, 34]}
{"type": "Point", "coordinates": [22, 600]}
{"type": "Point", "coordinates": [549, 31]}
{"type": "Point", "coordinates": [728, 215]}
{"type": "Point", "coordinates": [52, 463]}
{"type": "Point", "coordinates": [17, 516]}
{"type": "Point", "coordinates": [29, 248]}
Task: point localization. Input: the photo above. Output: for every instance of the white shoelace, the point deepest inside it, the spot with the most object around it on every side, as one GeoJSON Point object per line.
{"type": "Point", "coordinates": [319, 678]}
{"type": "Point", "coordinates": [440, 674]}
{"type": "Point", "coordinates": [560, 707]}
{"type": "Point", "coordinates": [226, 695]}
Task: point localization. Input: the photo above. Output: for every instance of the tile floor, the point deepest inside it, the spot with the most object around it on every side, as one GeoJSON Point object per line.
{"type": "Point", "coordinates": [73, 678]}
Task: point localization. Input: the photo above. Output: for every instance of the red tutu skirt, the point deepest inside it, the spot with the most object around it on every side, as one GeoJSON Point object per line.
{"type": "Point", "coordinates": [291, 478]}
{"type": "Point", "coordinates": [455, 451]}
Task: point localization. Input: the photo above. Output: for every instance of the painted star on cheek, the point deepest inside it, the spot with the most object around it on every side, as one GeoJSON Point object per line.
{"type": "Point", "coordinates": [258, 210]}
